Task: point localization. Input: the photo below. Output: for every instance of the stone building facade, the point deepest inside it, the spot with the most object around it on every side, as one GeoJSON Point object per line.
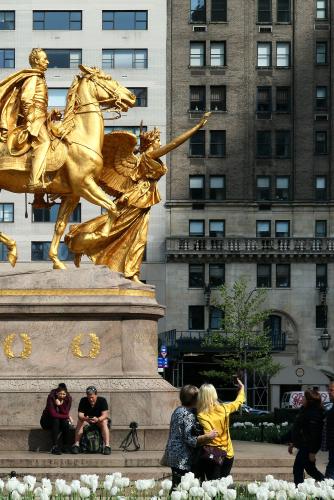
{"type": "Point", "coordinates": [252, 194]}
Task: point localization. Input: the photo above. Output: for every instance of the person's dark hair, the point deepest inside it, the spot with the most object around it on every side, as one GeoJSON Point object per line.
{"type": "Point", "coordinates": [313, 398]}
{"type": "Point", "coordinates": [62, 387]}
{"type": "Point", "coordinates": [188, 395]}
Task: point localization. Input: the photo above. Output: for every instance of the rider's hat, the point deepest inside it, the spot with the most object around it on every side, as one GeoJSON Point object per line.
{"type": "Point", "coordinates": [18, 142]}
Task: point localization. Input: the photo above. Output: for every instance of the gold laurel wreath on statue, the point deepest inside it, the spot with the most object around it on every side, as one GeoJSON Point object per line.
{"type": "Point", "coordinates": [8, 346]}
{"type": "Point", "coordinates": [94, 350]}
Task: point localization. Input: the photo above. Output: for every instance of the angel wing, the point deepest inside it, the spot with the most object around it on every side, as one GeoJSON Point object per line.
{"type": "Point", "coordinates": [120, 165]}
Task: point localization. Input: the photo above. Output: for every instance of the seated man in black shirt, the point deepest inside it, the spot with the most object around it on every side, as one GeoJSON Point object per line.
{"type": "Point", "coordinates": [93, 409]}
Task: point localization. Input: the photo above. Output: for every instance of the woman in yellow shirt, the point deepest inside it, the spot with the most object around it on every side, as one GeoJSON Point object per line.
{"type": "Point", "coordinates": [215, 415]}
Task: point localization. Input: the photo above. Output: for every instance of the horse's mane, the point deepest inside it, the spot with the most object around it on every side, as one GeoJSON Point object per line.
{"type": "Point", "coordinates": [71, 103]}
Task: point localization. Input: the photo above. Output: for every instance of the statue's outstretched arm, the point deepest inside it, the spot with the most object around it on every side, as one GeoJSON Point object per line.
{"type": "Point", "coordinates": [157, 153]}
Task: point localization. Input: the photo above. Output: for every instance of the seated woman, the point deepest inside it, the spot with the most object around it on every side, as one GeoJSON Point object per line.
{"type": "Point", "coordinates": [56, 417]}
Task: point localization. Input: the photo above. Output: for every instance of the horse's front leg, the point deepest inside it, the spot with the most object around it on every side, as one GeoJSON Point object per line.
{"type": "Point", "coordinates": [11, 246]}
{"type": "Point", "coordinates": [67, 206]}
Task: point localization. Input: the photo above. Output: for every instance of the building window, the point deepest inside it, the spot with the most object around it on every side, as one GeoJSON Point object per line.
{"type": "Point", "coordinates": [7, 19]}
{"type": "Point", "coordinates": [263, 101]}
{"type": "Point", "coordinates": [215, 318]}
{"type": "Point", "coordinates": [197, 54]}
{"type": "Point", "coordinates": [321, 316]}
{"type": "Point", "coordinates": [196, 317]}
{"type": "Point", "coordinates": [321, 53]}
{"type": "Point", "coordinates": [321, 275]}
{"type": "Point", "coordinates": [264, 11]}
{"type": "Point", "coordinates": [282, 229]}
{"type": "Point", "coordinates": [64, 58]}
{"type": "Point", "coordinates": [124, 58]}
{"type": "Point", "coordinates": [264, 55]}
{"type": "Point", "coordinates": [3, 252]}
{"type": "Point", "coordinates": [196, 228]}
{"type": "Point", "coordinates": [124, 20]}
{"type": "Point", "coordinates": [197, 144]}
{"type": "Point", "coordinates": [40, 251]}
{"type": "Point", "coordinates": [320, 188]}
{"type": "Point", "coordinates": [217, 228]}
{"type": "Point", "coordinates": [283, 100]}
{"type": "Point", "coordinates": [283, 143]}
{"type": "Point", "coordinates": [217, 187]}
{"type": "Point", "coordinates": [141, 96]}
{"type": "Point", "coordinates": [217, 98]}
{"type": "Point", "coordinates": [197, 98]}
{"type": "Point", "coordinates": [197, 11]}
{"type": "Point", "coordinates": [263, 276]}
{"type": "Point", "coordinates": [196, 275]}
{"type": "Point", "coordinates": [282, 275]}
{"type": "Point", "coordinates": [321, 103]}
{"type": "Point", "coordinates": [57, 97]}
{"type": "Point", "coordinates": [320, 229]}
{"type": "Point", "coordinates": [321, 142]}
{"type": "Point", "coordinates": [50, 215]}
{"type": "Point", "coordinates": [282, 188]}
{"type": "Point", "coordinates": [128, 128]}
{"type": "Point", "coordinates": [57, 20]}
{"type": "Point", "coordinates": [263, 188]}
{"type": "Point", "coordinates": [283, 11]}
{"type": "Point", "coordinates": [6, 212]}
{"type": "Point", "coordinates": [217, 143]}
{"type": "Point", "coordinates": [263, 144]}
{"type": "Point", "coordinates": [7, 58]}
{"type": "Point", "coordinates": [218, 54]}
{"type": "Point", "coordinates": [216, 275]}
{"type": "Point", "coordinates": [263, 229]}
{"type": "Point", "coordinates": [196, 187]}
{"type": "Point", "coordinates": [218, 10]}
{"type": "Point", "coordinates": [283, 54]}
{"type": "Point", "coordinates": [321, 9]}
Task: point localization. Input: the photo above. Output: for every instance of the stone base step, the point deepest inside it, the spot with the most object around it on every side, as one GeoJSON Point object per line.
{"type": "Point", "coordinates": [136, 465]}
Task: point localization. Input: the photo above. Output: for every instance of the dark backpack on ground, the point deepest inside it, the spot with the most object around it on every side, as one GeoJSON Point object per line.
{"type": "Point", "coordinates": [91, 441]}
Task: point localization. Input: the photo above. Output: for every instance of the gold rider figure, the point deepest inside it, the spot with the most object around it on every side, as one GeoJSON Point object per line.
{"type": "Point", "coordinates": [34, 108]}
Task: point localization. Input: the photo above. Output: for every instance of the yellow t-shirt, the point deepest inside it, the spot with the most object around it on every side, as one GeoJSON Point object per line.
{"type": "Point", "coordinates": [218, 419]}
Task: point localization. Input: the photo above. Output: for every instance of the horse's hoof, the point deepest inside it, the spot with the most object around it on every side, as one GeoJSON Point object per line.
{"type": "Point", "coordinates": [77, 259]}
{"type": "Point", "coordinates": [58, 265]}
{"type": "Point", "coordinates": [12, 258]}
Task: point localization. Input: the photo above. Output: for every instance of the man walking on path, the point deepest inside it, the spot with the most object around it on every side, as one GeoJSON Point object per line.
{"type": "Point", "coordinates": [330, 434]}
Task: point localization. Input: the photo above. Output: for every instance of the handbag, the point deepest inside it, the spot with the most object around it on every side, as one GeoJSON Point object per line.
{"type": "Point", "coordinates": [213, 454]}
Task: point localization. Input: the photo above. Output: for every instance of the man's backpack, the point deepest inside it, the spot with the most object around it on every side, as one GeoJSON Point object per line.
{"type": "Point", "coordinates": [91, 441]}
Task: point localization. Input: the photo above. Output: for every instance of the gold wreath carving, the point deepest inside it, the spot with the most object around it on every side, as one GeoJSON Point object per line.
{"type": "Point", "coordinates": [94, 350]}
{"type": "Point", "coordinates": [8, 346]}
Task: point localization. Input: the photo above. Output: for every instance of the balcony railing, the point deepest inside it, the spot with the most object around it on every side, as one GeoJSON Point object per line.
{"type": "Point", "coordinates": [192, 341]}
{"type": "Point", "coordinates": [183, 247]}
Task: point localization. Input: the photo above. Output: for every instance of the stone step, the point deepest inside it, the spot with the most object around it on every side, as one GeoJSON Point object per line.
{"type": "Point", "coordinates": [245, 474]}
{"type": "Point", "coordinates": [118, 459]}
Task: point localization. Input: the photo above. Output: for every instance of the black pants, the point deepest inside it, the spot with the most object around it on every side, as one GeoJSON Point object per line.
{"type": "Point", "coordinates": [302, 463]}
{"type": "Point", "coordinates": [177, 475]}
{"type": "Point", "coordinates": [213, 471]}
{"type": "Point", "coordinates": [58, 427]}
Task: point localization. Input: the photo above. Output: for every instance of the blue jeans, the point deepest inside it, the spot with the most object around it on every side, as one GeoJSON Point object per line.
{"type": "Point", "coordinates": [330, 466]}
{"type": "Point", "coordinates": [302, 463]}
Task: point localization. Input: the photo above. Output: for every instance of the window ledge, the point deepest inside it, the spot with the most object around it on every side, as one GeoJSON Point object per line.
{"type": "Point", "coordinates": [279, 23]}
{"type": "Point", "coordinates": [216, 156]}
{"type": "Point", "coordinates": [264, 68]}
{"type": "Point", "coordinates": [283, 67]}
{"type": "Point", "coordinates": [196, 156]}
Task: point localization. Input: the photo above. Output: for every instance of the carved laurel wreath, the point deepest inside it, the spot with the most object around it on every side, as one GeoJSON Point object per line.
{"type": "Point", "coordinates": [94, 350]}
{"type": "Point", "coordinates": [8, 346]}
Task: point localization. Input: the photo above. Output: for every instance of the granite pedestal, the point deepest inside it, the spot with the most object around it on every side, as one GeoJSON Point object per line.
{"type": "Point", "coordinates": [82, 327]}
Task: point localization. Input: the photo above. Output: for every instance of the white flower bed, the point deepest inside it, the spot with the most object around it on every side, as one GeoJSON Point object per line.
{"type": "Point", "coordinates": [117, 487]}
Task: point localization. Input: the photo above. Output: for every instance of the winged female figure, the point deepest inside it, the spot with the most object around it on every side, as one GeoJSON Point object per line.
{"type": "Point", "coordinates": [118, 240]}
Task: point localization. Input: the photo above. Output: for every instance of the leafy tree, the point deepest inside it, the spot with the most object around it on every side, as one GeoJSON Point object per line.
{"type": "Point", "coordinates": [243, 343]}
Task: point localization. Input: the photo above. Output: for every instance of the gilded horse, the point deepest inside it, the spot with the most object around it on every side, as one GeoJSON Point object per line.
{"type": "Point", "coordinates": [83, 163]}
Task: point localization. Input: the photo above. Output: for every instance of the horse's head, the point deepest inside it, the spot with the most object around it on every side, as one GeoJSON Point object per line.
{"type": "Point", "coordinates": [108, 92]}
